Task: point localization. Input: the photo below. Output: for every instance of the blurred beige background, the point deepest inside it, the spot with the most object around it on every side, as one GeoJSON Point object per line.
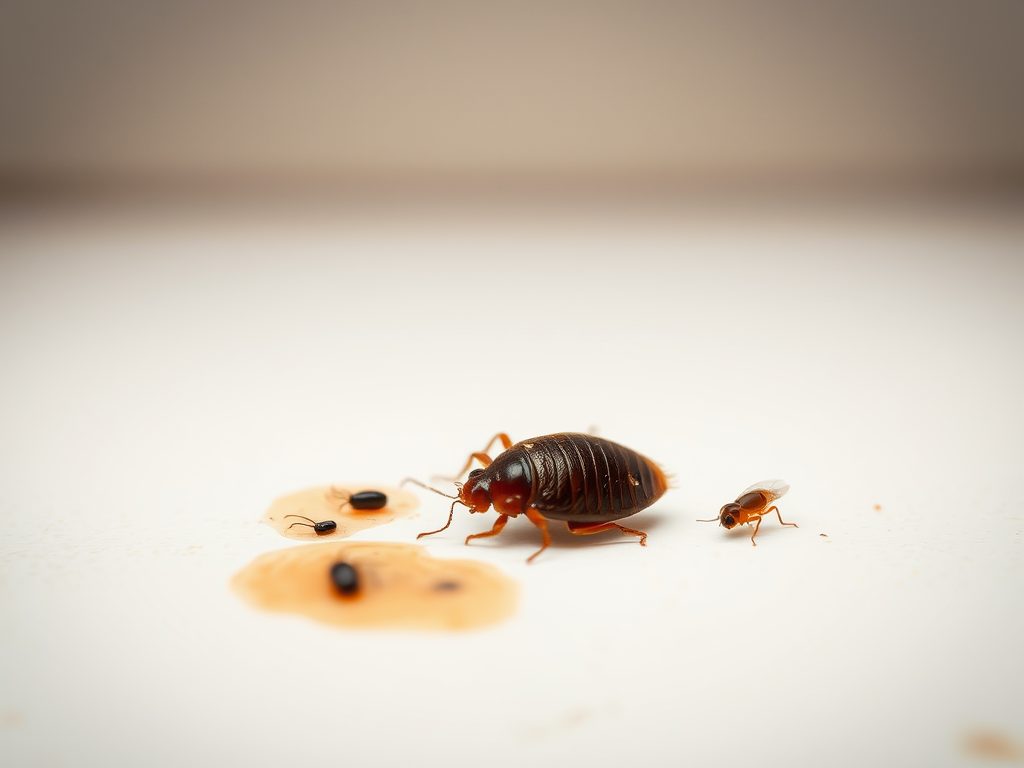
{"type": "Point", "coordinates": [118, 90]}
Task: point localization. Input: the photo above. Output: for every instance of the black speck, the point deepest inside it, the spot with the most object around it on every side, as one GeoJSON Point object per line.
{"type": "Point", "coordinates": [368, 500]}
{"type": "Point", "coordinates": [447, 586]}
{"type": "Point", "coordinates": [345, 578]}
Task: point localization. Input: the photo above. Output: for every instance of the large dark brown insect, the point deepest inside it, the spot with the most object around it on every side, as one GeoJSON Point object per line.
{"type": "Point", "coordinates": [584, 480]}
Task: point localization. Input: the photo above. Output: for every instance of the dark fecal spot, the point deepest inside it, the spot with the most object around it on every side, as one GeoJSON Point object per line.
{"type": "Point", "coordinates": [345, 578]}
{"type": "Point", "coordinates": [368, 500]}
{"type": "Point", "coordinates": [446, 586]}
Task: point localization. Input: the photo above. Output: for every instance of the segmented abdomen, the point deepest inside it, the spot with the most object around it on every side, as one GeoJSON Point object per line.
{"type": "Point", "coordinates": [587, 479]}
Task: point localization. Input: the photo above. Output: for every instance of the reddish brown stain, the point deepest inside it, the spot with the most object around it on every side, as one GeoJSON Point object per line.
{"type": "Point", "coordinates": [321, 504]}
{"type": "Point", "coordinates": [400, 587]}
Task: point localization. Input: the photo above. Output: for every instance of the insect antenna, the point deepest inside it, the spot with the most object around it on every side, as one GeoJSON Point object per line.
{"type": "Point", "coordinates": [424, 485]}
{"type": "Point", "coordinates": [711, 520]}
{"type": "Point", "coordinates": [310, 524]}
{"type": "Point", "coordinates": [451, 512]}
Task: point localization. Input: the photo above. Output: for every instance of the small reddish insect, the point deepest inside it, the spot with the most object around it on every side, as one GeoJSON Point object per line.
{"type": "Point", "coordinates": [752, 505]}
{"type": "Point", "coordinates": [584, 480]}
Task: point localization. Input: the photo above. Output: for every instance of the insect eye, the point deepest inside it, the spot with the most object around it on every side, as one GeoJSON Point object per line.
{"type": "Point", "coordinates": [728, 521]}
{"type": "Point", "coordinates": [476, 473]}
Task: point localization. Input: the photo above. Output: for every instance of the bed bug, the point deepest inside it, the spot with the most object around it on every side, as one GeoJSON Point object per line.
{"type": "Point", "coordinates": [752, 504]}
{"type": "Point", "coordinates": [583, 480]}
{"type": "Point", "coordinates": [324, 526]}
{"type": "Point", "coordinates": [361, 500]}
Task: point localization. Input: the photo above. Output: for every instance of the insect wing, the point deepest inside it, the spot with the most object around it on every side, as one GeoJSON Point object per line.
{"type": "Point", "coordinates": [774, 488]}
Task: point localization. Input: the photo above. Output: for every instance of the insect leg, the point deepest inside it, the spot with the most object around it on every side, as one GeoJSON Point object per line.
{"type": "Point", "coordinates": [498, 525]}
{"type": "Point", "coordinates": [759, 519]}
{"type": "Point", "coordinates": [585, 529]}
{"type": "Point", "coordinates": [482, 456]}
{"type": "Point", "coordinates": [537, 519]}
{"type": "Point", "coordinates": [780, 516]}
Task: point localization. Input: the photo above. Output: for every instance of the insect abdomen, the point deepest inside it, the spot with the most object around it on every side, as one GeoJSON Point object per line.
{"type": "Point", "coordinates": [587, 479]}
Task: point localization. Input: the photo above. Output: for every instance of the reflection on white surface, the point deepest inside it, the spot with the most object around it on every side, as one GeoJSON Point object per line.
{"type": "Point", "coordinates": [166, 377]}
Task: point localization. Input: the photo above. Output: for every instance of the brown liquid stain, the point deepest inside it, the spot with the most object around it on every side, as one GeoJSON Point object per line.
{"type": "Point", "coordinates": [992, 746]}
{"type": "Point", "coordinates": [320, 504]}
{"type": "Point", "coordinates": [400, 587]}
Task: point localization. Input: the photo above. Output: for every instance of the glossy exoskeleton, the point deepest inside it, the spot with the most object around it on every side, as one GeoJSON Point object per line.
{"type": "Point", "coordinates": [584, 480]}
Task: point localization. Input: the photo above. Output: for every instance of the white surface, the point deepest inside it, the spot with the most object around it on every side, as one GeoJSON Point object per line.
{"type": "Point", "coordinates": [166, 377]}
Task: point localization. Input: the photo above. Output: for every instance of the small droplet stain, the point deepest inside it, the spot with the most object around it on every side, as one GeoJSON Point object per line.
{"type": "Point", "coordinates": [992, 746]}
